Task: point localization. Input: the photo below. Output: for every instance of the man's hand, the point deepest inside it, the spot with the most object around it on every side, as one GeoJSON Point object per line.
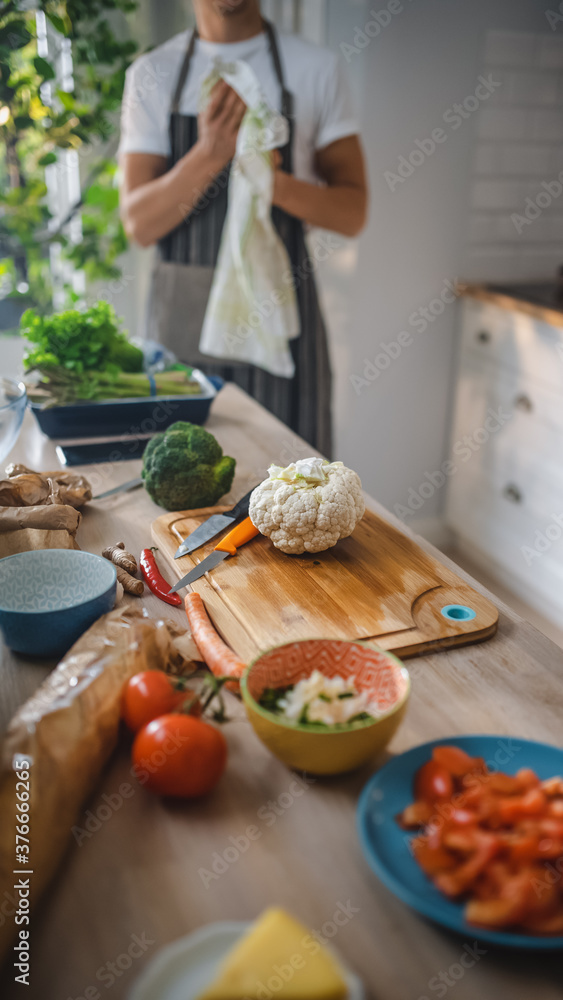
{"type": "Point", "coordinates": [219, 123]}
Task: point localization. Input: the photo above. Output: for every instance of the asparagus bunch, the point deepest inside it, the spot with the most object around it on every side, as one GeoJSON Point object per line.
{"type": "Point", "coordinates": [60, 387]}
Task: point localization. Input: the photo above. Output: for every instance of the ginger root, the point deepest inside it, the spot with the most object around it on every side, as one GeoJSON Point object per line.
{"type": "Point", "coordinates": [126, 565]}
{"type": "Point", "coordinates": [129, 583]}
{"type": "Point", "coordinates": [117, 554]}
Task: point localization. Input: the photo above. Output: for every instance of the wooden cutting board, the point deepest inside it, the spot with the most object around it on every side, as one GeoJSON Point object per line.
{"type": "Point", "coordinates": [377, 584]}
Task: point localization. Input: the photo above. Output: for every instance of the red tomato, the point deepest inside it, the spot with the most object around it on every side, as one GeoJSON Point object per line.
{"type": "Point", "coordinates": [433, 783]}
{"type": "Point", "coordinates": [551, 924]}
{"type": "Point", "coordinates": [486, 845]}
{"type": "Point", "coordinates": [504, 784]}
{"type": "Point", "coordinates": [553, 786]}
{"type": "Point", "coordinates": [492, 912]}
{"type": "Point", "coordinates": [528, 778]}
{"type": "Point", "coordinates": [148, 695]}
{"type": "Point", "coordinates": [492, 837]}
{"type": "Point", "coordinates": [179, 755]}
{"type": "Point", "coordinates": [456, 761]}
{"type": "Point", "coordinates": [532, 803]}
{"type": "Point", "coordinates": [416, 814]}
{"type": "Point", "coordinates": [523, 847]}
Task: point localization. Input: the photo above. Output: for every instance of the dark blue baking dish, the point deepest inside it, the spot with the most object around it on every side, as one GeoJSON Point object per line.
{"type": "Point", "coordinates": [110, 418]}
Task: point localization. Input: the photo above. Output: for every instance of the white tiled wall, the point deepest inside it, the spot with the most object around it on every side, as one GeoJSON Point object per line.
{"type": "Point", "coordinates": [518, 147]}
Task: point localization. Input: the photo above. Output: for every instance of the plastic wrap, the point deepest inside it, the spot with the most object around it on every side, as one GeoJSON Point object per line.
{"type": "Point", "coordinates": [67, 731]}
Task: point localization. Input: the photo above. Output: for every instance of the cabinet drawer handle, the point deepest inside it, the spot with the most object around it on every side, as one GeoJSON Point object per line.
{"type": "Point", "coordinates": [524, 403]}
{"type": "Point", "coordinates": [512, 493]}
{"type": "Point", "coordinates": [484, 337]}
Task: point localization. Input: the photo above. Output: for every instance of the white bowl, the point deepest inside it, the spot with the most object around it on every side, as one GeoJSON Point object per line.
{"type": "Point", "coordinates": [182, 970]}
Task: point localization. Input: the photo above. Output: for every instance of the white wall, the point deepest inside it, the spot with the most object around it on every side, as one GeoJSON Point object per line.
{"type": "Point", "coordinates": [427, 58]}
{"type": "Point", "coordinates": [516, 223]}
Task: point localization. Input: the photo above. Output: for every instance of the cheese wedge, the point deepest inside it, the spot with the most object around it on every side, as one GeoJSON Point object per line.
{"type": "Point", "coordinates": [277, 959]}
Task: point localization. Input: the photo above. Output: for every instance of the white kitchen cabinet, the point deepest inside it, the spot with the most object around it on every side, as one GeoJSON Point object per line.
{"type": "Point", "coordinates": [505, 493]}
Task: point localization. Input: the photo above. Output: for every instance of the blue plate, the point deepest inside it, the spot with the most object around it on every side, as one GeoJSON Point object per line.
{"type": "Point", "coordinates": [387, 847]}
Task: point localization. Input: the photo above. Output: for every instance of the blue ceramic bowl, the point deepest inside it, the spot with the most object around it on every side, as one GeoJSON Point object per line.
{"type": "Point", "coordinates": [49, 597]}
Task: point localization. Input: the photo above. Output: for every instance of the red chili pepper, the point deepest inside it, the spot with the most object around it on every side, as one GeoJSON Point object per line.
{"type": "Point", "coordinates": [155, 581]}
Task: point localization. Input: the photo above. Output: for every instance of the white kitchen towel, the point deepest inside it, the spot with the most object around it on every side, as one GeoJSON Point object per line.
{"type": "Point", "coordinates": [252, 309]}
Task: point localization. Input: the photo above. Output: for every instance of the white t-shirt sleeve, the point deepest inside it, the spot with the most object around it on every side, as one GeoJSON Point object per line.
{"type": "Point", "coordinates": [337, 118]}
{"type": "Point", "coordinates": [144, 119]}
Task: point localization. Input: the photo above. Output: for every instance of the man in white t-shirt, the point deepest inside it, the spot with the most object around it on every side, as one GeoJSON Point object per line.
{"type": "Point", "coordinates": [170, 157]}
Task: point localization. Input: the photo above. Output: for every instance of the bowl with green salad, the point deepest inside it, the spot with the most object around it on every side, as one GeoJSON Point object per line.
{"type": "Point", "coordinates": [325, 705]}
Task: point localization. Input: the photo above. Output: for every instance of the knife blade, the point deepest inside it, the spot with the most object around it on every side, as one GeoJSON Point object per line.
{"type": "Point", "coordinates": [212, 527]}
{"type": "Point", "coordinates": [228, 545]}
{"type": "Point", "coordinates": [132, 484]}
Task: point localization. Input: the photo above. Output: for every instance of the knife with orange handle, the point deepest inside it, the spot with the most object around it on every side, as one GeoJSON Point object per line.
{"type": "Point", "coordinates": [242, 533]}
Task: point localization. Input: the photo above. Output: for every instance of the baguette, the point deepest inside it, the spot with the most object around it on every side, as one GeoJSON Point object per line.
{"type": "Point", "coordinates": [68, 730]}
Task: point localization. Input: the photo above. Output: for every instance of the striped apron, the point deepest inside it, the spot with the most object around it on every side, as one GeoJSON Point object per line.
{"type": "Point", "coordinates": [183, 275]}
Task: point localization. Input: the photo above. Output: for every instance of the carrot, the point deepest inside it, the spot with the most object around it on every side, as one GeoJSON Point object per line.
{"type": "Point", "coordinates": [216, 654]}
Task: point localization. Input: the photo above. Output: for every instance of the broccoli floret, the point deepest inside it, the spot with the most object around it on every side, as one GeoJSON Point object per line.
{"type": "Point", "coordinates": [184, 468]}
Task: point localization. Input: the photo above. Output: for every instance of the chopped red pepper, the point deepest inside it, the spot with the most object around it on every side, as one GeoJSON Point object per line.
{"type": "Point", "coordinates": [493, 839]}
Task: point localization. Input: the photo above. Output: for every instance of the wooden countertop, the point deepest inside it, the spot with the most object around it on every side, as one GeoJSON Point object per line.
{"type": "Point", "coordinates": [552, 316]}
{"type": "Point", "coordinates": [139, 874]}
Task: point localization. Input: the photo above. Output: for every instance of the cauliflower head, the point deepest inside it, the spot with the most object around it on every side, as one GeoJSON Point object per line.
{"type": "Point", "coordinates": [308, 506]}
{"type": "Point", "coordinates": [185, 468]}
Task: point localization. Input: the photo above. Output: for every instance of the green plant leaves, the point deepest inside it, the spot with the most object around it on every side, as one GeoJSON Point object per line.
{"type": "Point", "coordinates": [76, 341]}
{"type": "Point", "coordinates": [62, 24]}
{"type": "Point", "coordinates": [106, 198]}
{"type": "Point", "coordinates": [85, 117]}
{"type": "Point", "coordinates": [44, 68]}
{"type": "Point", "coordinates": [66, 99]}
{"type": "Point", "coordinates": [47, 159]}
{"type": "Point", "coordinates": [14, 35]}
{"type": "Point", "coordinates": [23, 121]}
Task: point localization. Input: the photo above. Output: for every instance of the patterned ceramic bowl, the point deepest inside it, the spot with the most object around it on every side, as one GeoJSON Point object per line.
{"type": "Point", "coordinates": [334, 749]}
{"type": "Point", "coordinates": [49, 597]}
